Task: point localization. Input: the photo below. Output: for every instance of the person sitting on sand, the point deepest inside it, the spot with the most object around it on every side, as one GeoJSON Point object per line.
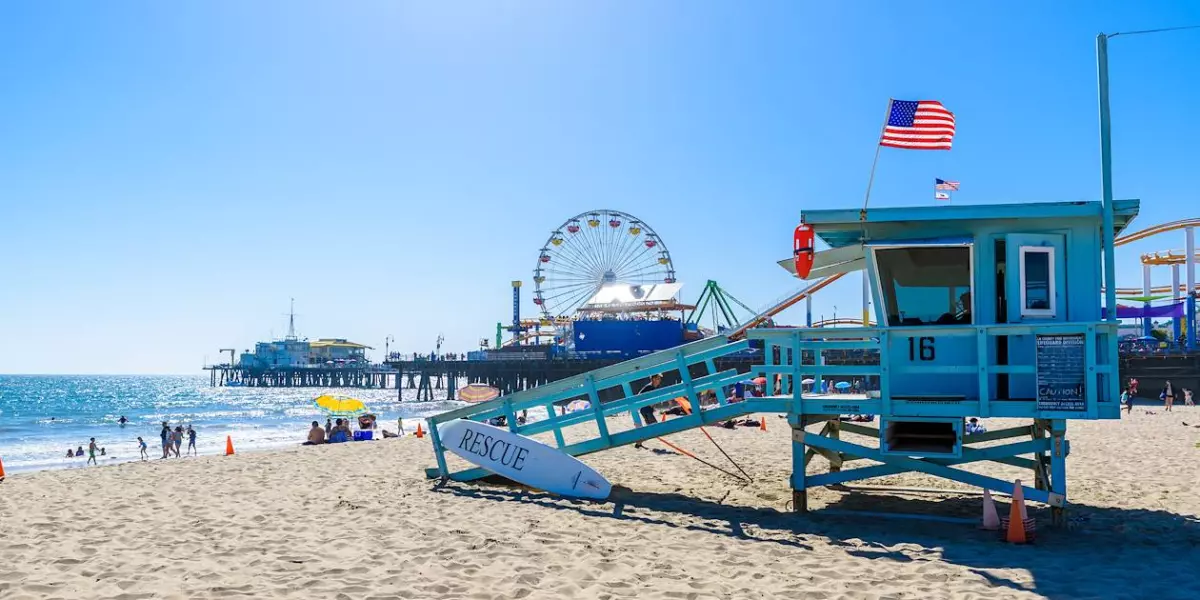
{"type": "Point", "coordinates": [973, 426]}
{"type": "Point", "coordinates": [339, 433]}
{"type": "Point", "coordinates": [142, 448]}
{"type": "Point", "coordinates": [316, 435]}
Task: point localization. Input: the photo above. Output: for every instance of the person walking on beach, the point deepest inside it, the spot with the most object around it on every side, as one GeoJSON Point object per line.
{"type": "Point", "coordinates": [191, 435]}
{"type": "Point", "coordinates": [1187, 397]}
{"type": "Point", "coordinates": [165, 434]}
{"type": "Point", "coordinates": [92, 452]}
{"type": "Point", "coordinates": [1133, 383]}
{"type": "Point", "coordinates": [1168, 396]}
{"type": "Point", "coordinates": [176, 440]}
{"type": "Point", "coordinates": [1127, 400]}
{"type": "Point", "coordinates": [142, 448]}
{"type": "Point", "coordinates": [647, 411]}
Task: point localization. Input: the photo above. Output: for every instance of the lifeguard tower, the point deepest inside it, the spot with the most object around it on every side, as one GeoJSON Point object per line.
{"type": "Point", "coordinates": [983, 311]}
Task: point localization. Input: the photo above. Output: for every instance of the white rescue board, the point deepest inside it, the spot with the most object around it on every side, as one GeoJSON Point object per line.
{"type": "Point", "coordinates": [523, 460]}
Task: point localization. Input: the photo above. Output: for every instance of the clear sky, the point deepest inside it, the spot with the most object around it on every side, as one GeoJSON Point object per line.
{"type": "Point", "coordinates": [172, 173]}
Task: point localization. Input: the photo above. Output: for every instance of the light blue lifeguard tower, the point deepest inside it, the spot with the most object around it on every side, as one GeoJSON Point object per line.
{"type": "Point", "coordinates": [983, 311]}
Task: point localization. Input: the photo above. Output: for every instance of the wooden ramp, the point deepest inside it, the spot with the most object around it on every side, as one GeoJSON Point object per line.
{"type": "Point", "coordinates": [610, 391]}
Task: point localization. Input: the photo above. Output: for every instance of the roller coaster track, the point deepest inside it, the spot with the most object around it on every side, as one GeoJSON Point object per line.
{"type": "Point", "coordinates": [841, 321]}
{"type": "Point", "coordinates": [1154, 258]}
{"type": "Point", "coordinates": [783, 305]}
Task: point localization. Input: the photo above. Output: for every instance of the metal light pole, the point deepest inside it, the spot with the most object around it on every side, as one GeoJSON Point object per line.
{"type": "Point", "coordinates": [1110, 268]}
{"type": "Point", "coordinates": [1110, 271]}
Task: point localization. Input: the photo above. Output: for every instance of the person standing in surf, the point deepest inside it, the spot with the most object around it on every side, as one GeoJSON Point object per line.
{"type": "Point", "coordinates": [165, 434]}
{"type": "Point", "coordinates": [647, 411]}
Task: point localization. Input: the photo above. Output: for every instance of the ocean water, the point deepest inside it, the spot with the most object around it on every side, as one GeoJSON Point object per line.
{"type": "Point", "coordinates": [42, 416]}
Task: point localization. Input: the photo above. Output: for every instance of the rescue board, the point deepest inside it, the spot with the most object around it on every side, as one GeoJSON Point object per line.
{"type": "Point", "coordinates": [523, 460]}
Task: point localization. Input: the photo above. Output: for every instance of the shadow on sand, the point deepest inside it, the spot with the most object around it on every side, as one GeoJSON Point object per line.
{"type": "Point", "coordinates": [1099, 543]}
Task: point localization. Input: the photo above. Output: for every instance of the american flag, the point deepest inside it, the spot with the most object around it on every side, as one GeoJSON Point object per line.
{"type": "Point", "coordinates": [918, 125]}
{"type": "Point", "coordinates": [942, 184]}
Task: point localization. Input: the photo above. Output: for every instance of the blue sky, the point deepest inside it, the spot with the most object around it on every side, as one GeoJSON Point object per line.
{"type": "Point", "coordinates": [172, 173]}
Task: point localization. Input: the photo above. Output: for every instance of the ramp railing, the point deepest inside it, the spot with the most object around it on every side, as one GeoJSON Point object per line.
{"type": "Point", "coordinates": [614, 382]}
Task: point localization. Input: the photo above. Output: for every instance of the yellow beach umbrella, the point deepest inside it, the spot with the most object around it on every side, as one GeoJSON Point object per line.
{"type": "Point", "coordinates": [340, 405]}
{"type": "Point", "coordinates": [477, 392]}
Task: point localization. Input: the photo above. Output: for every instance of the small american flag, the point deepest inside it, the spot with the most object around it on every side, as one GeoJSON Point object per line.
{"type": "Point", "coordinates": [918, 125]}
{"type": "Point", "coordinates": [946, 186]}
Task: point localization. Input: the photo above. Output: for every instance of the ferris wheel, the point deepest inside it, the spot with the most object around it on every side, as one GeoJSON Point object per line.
{"type": "Point", "coordinates": [594, 249]}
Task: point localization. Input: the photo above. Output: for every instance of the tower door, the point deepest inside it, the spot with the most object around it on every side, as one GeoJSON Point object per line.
{"type": "Point", "coordinates": [1035, 292]}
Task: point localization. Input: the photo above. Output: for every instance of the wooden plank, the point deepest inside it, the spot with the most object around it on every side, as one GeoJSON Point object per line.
{"type": "Point", "coordinates": [651, 431]}
{"type": "Point", "coordinates": [924, 466]}
{"type": "Point", "coordinates": [719, 344]}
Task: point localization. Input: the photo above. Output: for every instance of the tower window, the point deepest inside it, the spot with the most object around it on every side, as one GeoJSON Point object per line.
{"type": "Point", "coordinates": [1037, 282]}
{"type": "Point", "coordinates": [926, 285]}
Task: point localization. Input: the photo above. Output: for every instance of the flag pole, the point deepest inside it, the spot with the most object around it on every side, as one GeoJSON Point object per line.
{"type": "Point", "coordinates": [862, 215]}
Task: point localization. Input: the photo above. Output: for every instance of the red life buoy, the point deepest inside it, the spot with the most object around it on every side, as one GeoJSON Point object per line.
{"type": "Point", "coordinates": [802, 249]}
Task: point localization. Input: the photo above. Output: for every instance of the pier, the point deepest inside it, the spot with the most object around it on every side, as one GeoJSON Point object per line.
{"type": "Point", "coordinates": [426, 375]}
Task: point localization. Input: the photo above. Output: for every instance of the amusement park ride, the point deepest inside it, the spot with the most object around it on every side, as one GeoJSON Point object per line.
{"type": "Point", "coordinates": [602, 279]}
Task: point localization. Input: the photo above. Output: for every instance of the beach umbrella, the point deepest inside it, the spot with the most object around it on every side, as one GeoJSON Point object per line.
{"type": "Point", "coordinates": [842, 385]}
{"type": "Point", "coordinates": [808, 381]}
{"type": "Point", "coordinates": [340, 405]}
{"type": "Point", "coordinates": [579, 405]}
{"type": "Point", "coordinates": [478, 392]}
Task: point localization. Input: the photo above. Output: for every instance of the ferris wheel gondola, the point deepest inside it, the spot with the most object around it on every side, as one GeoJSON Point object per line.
{"type": "Point", "coordinates": [594, 249]}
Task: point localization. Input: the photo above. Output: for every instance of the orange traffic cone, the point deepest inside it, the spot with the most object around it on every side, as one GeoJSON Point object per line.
{"type": "Point", "coordinates": [1, 470]}
{"type": "Point", "coordinates": [228, 445]}
{"type": "Point", "coordinates": [762, 424]}
{"type": "Point", "coordinates": [1016, 525]}
{"type": "Point", "coordinates": [991, 519]}
{"type": "Point", "coordinates": [420, 432]}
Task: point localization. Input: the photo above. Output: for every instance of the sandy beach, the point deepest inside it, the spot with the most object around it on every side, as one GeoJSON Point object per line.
{"type": "Point", "coordinates": [360, 521]}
